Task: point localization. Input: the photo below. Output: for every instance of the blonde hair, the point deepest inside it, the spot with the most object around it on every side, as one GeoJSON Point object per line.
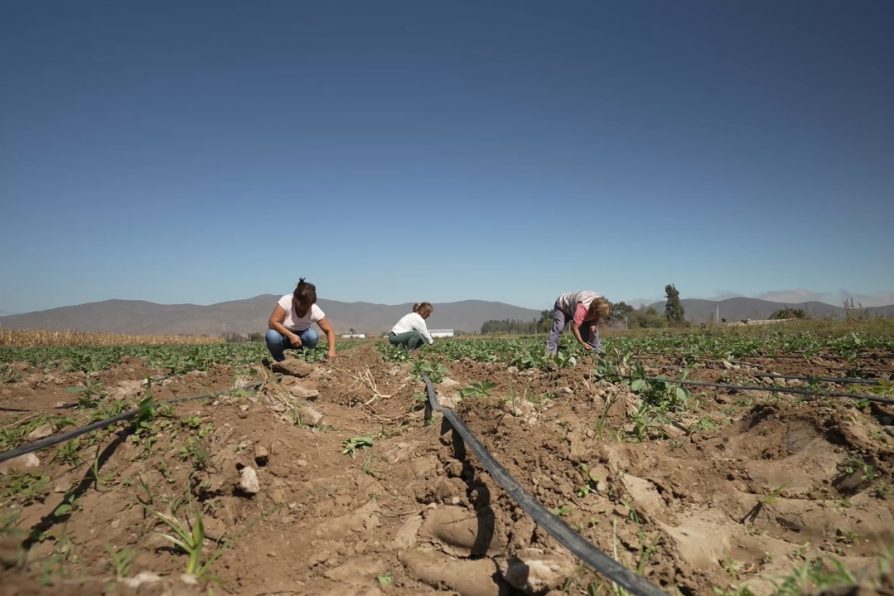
{"type": "Point", "coordinates": [600, 307]}
{"type": "Point", "coordinates": [423, 307]}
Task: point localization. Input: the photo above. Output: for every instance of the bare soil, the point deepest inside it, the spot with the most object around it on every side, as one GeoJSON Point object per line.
{"type": "Point", "coordinates": [739, 490]}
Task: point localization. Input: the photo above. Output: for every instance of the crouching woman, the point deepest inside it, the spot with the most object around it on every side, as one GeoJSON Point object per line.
{"type": "Point", "coordinates": [291, 320]}
{"type": "Point", "coordinates": [410, 331]}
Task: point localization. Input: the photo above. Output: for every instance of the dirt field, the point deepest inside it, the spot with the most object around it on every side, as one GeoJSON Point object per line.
{"type": "Point", "coordinates": [755, 490]}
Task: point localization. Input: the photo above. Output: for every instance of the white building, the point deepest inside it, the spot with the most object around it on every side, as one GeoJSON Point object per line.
{"type": "Point", "coordinates": [353, 336]}
{"type": "Point", "coordinates": [441, 332]}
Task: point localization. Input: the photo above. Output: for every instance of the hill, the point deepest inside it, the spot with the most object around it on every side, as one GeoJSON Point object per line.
{"type": "Point", "coordinates": [250, 315]}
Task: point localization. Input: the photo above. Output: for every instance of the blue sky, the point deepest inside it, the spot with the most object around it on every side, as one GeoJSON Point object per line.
{"type": "Point", "coordinates": [401, 151]}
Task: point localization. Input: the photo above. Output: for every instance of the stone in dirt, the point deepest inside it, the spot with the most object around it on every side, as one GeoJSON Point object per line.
{"type": "Point", "coordinates": [22, 462]}
{"type": "Point", "coordinates": [41, 432]}
{"type": "Point", "coordinates": [127, 388]}
{"type": "Point", "coordinates": [309, 416]}
{"type": "Point", "coordinates": [448, 383]}
{"type": "Point", "coordinates": [243, 382]}
{"type": "Point", "coordinates": [143, 577]}
{"type": "Point", "coordinates": [262, 455]}
{"type": "Point", "coordinates": [293, 367]}
{"type": "Point", "coordinates": [248, 481]}
{"type": "Point", "coordinates": [468, 577]}
{"type": "Point", "coordinates": [303, 391]}
{"type": "Point", "coordinates": [536, 572]}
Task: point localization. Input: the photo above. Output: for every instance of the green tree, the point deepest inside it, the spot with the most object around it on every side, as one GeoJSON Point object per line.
{"type": "Point", "coordinates": [646, 318]}
{"type": "Point", "coordinates": [621, 311]}
{"type": "Point", "coordinates": [673, 309]}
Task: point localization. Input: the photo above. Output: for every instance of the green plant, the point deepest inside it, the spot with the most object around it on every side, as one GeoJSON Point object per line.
{"type": "Point", "coordinates": [773, 496]}
{"type": "Point", "coordinates": [435, 370]}
{"type": "Point", "coordinates": [815, 576]}
{"type": "Point", "coordinates": [26, 487]}
{"type": "Point", "coordinates": [646, 419]}
{"type": "Point", "coordinates": [354, 444]}
{"type": "Point", "coordinates": [385, 579]}
{"type": "Point", "coordinates": [68, 453]}
{"type": "Point", "coordinates": [90, 394]}
{"type": "Point", "coordinates": [188, 537]}
{"type": "Point", "coordinates": [120, 559]}
{"type": "Point", "coordinates": [477, 389]}
{"type": "Point", "coordinates": [195, 451]}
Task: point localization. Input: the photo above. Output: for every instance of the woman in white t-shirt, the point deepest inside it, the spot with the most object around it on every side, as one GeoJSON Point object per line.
{"type": "Point", "coordinates": [291, 320]}
{"type": "Point", "coordinates": [410, 331]}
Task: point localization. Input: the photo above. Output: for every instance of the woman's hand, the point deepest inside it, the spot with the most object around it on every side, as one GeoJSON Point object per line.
{"type": "Point", "coordinates": [330, 356]}
{"type": "Point", "coordinates": [295, 340]}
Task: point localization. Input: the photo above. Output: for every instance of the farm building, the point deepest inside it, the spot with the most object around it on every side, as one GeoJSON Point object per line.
{"type": "Point", "coordinates": [441, 332]}
{"type": "Point", "coordinates": [353, 336]}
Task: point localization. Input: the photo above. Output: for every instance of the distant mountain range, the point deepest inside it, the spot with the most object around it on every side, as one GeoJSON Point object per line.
{"type": "Point", "coordinates": [250, 315]}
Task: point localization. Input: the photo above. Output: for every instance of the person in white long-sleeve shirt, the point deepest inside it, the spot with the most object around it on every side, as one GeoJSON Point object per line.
{"type": "Point", "coordinates": [410, 331]}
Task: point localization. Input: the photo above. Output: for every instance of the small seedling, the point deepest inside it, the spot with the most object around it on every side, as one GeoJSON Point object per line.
{"type": "Point", "coordinates": [120, 559]}
{"type": "Point", "coordinates": [386, 579]}
{"type": "Point", "coordinates": [477, 389]}
{"type": "Point", "coordinates": [354, 444]}
{"type": "Point", "coordinates": [187, 537]}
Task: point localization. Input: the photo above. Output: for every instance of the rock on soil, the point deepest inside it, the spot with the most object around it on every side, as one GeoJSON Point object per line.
{"type": "Point", "coordinates": [536, 572]}
{"type": "Point", "coordinates": [293, 367]}
{"type": "Point", "coordinates": [41, 432]}
{"type": "Point", "coordinates": [22, 462]}
{"type": "Point", "coordinates": [309, 416]}
{"type": "Point", "coordinates": [248, 481]}
{"type": "Point", "coordinates": [262, 455]}
{"type": "Point", "coordinates": [303, 391]}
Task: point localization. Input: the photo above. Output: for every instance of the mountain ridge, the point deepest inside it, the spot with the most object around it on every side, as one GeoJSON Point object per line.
{"type": "Point", "coordinates": [249, 315]}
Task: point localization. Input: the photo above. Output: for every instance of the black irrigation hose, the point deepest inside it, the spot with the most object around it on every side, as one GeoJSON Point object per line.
{"type": "Point", "coordinates": [795, 390]}
{"type": "Point", "coordinates": [557, 528]}
{"type": "Point", "coordinates": [56, 439]}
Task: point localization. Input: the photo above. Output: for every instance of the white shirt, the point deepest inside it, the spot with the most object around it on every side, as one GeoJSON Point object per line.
{"type": "Point", "coordinates": [412, 321]}
{"type": "Point", "coordinates": [293, 321]}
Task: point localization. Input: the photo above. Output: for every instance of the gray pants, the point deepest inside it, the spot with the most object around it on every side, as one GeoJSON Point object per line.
{"type": "Point", "coordinates": [409, 339]}
{"type": "Point", "coordinates": [588, 332]}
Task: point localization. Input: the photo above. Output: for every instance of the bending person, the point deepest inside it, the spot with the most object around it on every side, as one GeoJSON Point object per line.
{"type": "Point", "coordinates": [289, 324]}
{"type": "Point", "coordinates": [585, 310]}
{"type": "Point", "coordinates": [410, 331]}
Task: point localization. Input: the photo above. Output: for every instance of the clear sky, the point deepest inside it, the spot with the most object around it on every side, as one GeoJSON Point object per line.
{"type": "Point", "coordinates": [204, 151]}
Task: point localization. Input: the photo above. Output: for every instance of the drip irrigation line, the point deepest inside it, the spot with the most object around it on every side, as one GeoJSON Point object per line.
{"type": "Point", "coordinates": [772, 375]}
{"type": "Point", "coordinates": [795, 390]}
{"type": "Point", "coordinates": [557, 528]}
{"type": "Point", "coordinates": [62, 438]}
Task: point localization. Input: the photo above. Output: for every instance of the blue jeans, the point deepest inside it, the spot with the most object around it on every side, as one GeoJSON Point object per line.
{"type": "Point", "coordinates": [277, 343]}
{"type": "Point", "coordinates": [560, 318]}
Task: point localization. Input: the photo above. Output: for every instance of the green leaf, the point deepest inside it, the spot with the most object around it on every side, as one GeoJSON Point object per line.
{"type": "Point", "coordinates": [638, 385]}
